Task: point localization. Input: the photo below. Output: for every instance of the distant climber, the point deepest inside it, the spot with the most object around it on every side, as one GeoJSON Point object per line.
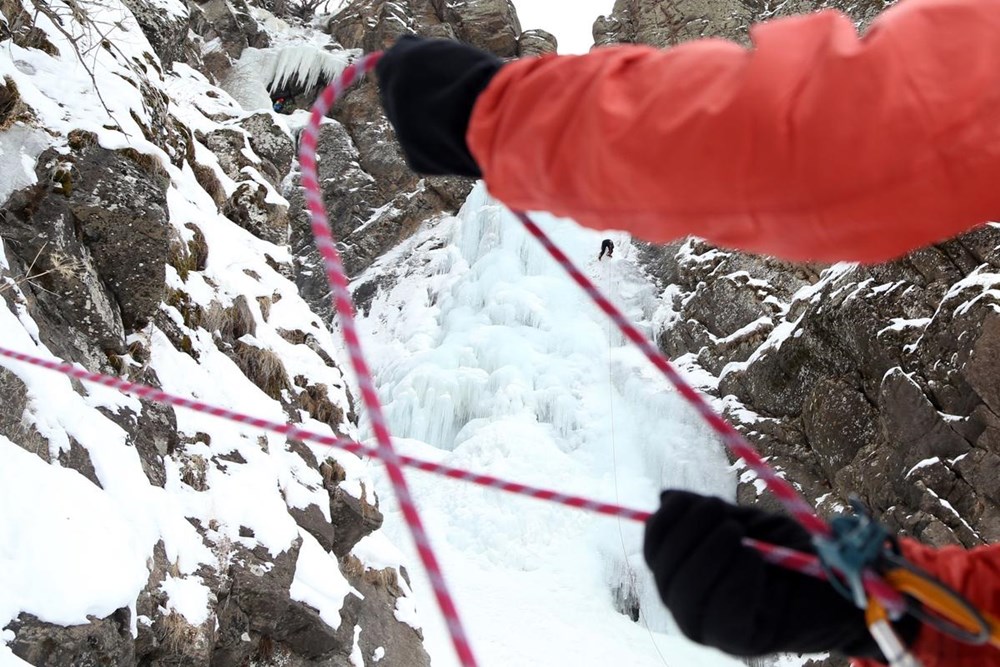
{"type": "Point", "coordinates": [281, 101]}
{"type": "Point", "coordinates": [608, 246]}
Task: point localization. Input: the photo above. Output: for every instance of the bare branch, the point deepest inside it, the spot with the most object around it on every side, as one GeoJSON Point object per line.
{"type": "Point", "coordinates": [81, 17]}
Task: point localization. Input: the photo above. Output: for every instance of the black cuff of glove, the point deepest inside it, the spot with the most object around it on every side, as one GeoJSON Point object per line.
{"type": "Point", "coordinates": [725, 595]}
{"type": "Point", "coordinates": [428, 89]}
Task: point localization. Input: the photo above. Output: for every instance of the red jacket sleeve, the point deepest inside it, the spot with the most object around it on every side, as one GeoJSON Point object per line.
{"type": "Point", "coordinates": [976, 575]}
{"type": "Point", "coordinates": [814, 144]}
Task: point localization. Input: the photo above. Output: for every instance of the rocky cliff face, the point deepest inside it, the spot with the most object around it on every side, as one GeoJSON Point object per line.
{"type": "Point", "coordinates": [669, 22]}
{"type": "Point", "coordinates": [152, 228]}
{"type": "Point", "coordinates": [376, 200]}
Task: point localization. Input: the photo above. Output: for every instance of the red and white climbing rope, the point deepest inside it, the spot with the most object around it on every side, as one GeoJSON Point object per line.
{"type": "Point", "coordinates": [291, 431]}
{"type": "Point", "coordinates": [805, 563]}
{"type": "Point", "coordinates": [345, 308]}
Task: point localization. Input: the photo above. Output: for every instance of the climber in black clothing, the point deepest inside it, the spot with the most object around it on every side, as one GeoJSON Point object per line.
{"type": "Point", "coordinates": [607, 245]}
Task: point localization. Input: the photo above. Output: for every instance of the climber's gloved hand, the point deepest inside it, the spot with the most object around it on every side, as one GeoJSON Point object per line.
{"type": "Point", "coordinates": [428, 88]}
{"type": "Point", "coordinates": [725, 595]}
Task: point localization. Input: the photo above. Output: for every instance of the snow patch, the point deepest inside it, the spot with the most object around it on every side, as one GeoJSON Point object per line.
{"type": "Point", "coordinates": [86, 559]}
{"type": "Point", "coordinates": [188, 596]}
{"type": "Point", "coordinates": [319, 582]}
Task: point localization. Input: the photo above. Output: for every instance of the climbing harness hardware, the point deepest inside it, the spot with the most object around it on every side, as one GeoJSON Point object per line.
{"type": "Point", "coordinates": [859, 543]}
{"type": "Point", "coordinates": [938, 605]}
{"type": "Point", "coordinates": [855, 544]}
{"type": "Point", "coordinates": [895, 651]}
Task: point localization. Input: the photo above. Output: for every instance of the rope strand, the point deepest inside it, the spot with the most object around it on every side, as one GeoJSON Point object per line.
{"type": "Point", "coordinates": [345, 308]}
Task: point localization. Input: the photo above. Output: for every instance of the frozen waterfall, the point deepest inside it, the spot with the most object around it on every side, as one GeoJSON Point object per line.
{"type": "Point", "coordinates": [489, 358]}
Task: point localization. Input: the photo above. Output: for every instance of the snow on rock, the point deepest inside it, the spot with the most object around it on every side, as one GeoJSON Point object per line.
{"type": "Point", "coordinates": [85, 556]}
{"type": "Point", "coordinates": [110, 503]}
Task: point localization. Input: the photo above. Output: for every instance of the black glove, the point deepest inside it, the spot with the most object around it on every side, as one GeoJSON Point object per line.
{"type": "Point", "coordinates": [723, 594]}
{"type": "Point", "coordinates": [428, 88]}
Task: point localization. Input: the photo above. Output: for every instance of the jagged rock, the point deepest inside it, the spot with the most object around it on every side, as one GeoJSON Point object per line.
{"type": "Point", "coordinates": [231, 23]}
{"type": "Point", "coordinates": [375, 200]}
{"type": "Point", "coordinates": [147, 642]}
{"type": "Point", "coordinates": [250, 208]}
{"type": "Point", "coordinates": [78, 458]}
{"type": "Point", "coordinates": [663, 23]}
{"type": "Point", "coordinates": [84, 318]}
{"type": "Point", "coordinates": [983, 366]}
{"type": "Point", "coordinates": [373, 25]}
{"type": "Point", "coordinates": [491, 25]}
{"type": "Point", "coordinates": [535, 43]}
{"type": "Point", "coordinates": [872, 371]}
{"type": "Point", "coordinates": [312, 520]}
{"type": "Point", "coordinates": [13, 424]}
{"type": "Point", "coordinates": [347, 191]}
{"type": "Point", "coordinates": [363, 153]}
{"type": "Point", "coordinates": [401, 644]}
{"type": "Point", "coordinates": [773, 384]}
{"type": "Point", "coordinates": [362, 175]}
{"type": "Point", "coordinates": [945, 496]}
{"type": "Point", "coordinates": [354, 519]}
{"type": "Point", "coordinates": [20, 27]}
{"type": "Point", "coordinates": [102, 642]}
{"type": "Point", "coordinates": [121, 209]}
{"type": "Point", "coordinates": [261, 604]}
{"type": "Point", "coordinates": [155, 436]}
{"type": "Point", "coordinates": [12, 107]}
{"type": "Point", "coordinates": [670, 22]}
{"type": "Point", "coordinates": [231, 147]}
{"type": "Point", "coordinates": [838, 421]}
{"type": "Point", "coordinates": [981, 469]}
{"type": "Point", "coordinates": [272, 144]}
{"type": "Point", "coordinates": [251, 205]}
{"type": "Point", "coordinates": [749, 300]}
{"type": "Point", "coordinates": [166, 32]}
{"type": "Point", "coordinates": [913, 424]}
{"type": "Point", "coordinates": [98, 268]}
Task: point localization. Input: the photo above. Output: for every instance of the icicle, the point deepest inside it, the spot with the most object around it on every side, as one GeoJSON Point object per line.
{"type": "Point", "coordinates": [304, 67]}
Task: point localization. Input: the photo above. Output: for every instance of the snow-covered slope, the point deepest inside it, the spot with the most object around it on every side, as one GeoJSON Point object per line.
{"type": "Point", "coordinates": [146, 544]}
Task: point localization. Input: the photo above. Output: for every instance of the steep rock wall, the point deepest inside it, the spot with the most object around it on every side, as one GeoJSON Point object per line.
{"type": "Point", "coordinates": [144, 234]}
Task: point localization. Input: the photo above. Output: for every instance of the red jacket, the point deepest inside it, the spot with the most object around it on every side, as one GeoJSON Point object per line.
{"type": "Point", "coordinates": [974, 573]}
{"type": "Point", "coordinates": [814, 144]}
